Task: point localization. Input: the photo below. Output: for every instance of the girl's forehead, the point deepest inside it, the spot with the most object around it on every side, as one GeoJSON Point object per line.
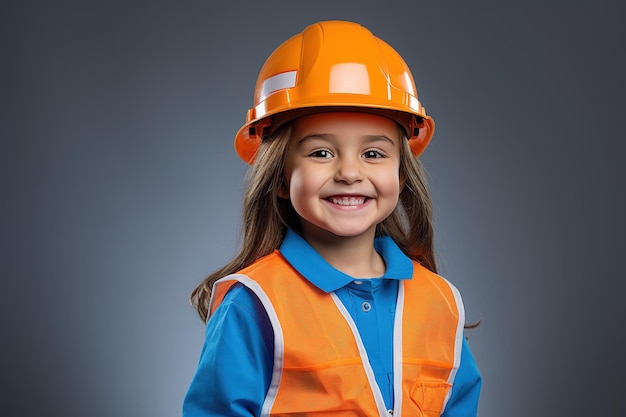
{"type": "Point", "coordinates": [340, 121]}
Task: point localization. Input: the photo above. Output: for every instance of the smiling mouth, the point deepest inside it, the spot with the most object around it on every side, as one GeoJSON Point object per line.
{"type": "Point", "coordinates": [347, 201]}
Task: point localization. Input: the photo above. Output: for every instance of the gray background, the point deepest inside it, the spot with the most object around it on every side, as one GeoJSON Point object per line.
{"type": "Point", "coordinates": [121, 189]}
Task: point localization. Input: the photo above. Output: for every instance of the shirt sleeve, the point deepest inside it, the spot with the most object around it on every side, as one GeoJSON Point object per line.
{"type": "Point", "coordinates": [466, 388]}
{"type": "Point", "coordinates": [236, 361]}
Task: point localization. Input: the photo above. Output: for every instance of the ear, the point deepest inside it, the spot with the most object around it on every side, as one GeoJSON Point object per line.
{"type": "Point", "coordinates": [402, 176]}
{"type": "Point", "coordinates": [283, 190]}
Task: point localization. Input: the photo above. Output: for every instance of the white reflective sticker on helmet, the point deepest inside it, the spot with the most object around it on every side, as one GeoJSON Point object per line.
{"type": "Point", "coordinates": [414, 103]}
{"type": "Point", "coordinates": [278, 82]}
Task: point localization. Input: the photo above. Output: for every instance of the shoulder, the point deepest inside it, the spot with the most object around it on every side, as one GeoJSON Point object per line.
{"type": "Point", "coordinates": [423, 275]}
{"type": "Point", "coordinates": [265, 264]}
{"type": "Point", "coordinates": [252, 277]}
{"type": "Point", "coordinates": [241, 297]}
{"type": "Point", "coordinates": [241, 307]}
{"type": "Point", "coordinates": [235, 302]}
{"type": "Point", "coordinates": [428, 285]}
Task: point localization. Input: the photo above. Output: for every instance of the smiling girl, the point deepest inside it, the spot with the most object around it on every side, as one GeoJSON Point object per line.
{"type": "Point", "coordinates": [332, 306]}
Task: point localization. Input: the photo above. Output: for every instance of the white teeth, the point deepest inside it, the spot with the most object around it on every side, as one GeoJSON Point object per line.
{"type": "Point", "coordinates": [347, 201]}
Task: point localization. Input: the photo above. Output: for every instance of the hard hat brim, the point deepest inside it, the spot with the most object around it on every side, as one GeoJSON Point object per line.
{"type": "Point", "coordinates": [248, 138]}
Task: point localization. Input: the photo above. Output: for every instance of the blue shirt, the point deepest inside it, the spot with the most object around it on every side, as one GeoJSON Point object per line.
{"type": "Point", "coordinates": [236, 362]}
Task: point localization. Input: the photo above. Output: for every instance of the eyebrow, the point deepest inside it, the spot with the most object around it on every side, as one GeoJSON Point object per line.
{"type": "Point", "coordinates": [330, 137]}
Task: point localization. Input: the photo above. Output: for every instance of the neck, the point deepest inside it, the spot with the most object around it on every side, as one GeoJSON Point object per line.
{"type": "Point", "coordinates": [354, 255]}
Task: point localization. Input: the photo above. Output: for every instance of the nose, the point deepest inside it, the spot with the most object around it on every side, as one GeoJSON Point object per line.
{"type": "Point", "coordinates": [349, 170]}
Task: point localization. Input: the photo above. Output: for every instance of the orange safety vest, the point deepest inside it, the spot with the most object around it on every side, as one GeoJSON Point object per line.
{"type": "Point", "coordinates": [320, 363]}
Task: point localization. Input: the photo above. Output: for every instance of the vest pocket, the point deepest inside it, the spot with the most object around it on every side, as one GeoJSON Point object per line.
{"type": "Point", "coordinates": [429, 397]}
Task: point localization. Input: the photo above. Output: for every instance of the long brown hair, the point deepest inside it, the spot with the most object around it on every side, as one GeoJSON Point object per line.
{"type": "Point", "coordinates": [266, 216]}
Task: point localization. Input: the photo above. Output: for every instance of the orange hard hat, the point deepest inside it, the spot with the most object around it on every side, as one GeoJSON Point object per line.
{"type": "Point", "coordinates": [333, 66]}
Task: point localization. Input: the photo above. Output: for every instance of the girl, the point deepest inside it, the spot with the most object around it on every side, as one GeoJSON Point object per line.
{"type": "Point", "coordinates": [332, 305]}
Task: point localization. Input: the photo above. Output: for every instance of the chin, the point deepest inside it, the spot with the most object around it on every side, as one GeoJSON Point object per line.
{"type": "Point", "coordinates": [347, 232]}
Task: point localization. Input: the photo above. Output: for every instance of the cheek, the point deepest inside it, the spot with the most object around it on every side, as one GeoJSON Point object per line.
{"type": "Point", "coordinates": [296, 185]}
{"type": "Point", "coordinates": [390, 185]}
{"type": "Point", "coordinates": [303, 183]}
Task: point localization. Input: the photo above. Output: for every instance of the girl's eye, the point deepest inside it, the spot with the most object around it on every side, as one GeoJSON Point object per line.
{"type": "Point", "coordinates": [321, 153]}
{"type": "Point", "coordinates": [372, 153]}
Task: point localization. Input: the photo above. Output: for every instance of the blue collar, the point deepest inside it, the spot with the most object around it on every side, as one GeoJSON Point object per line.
{"type": "Point", "coordinates": [320, 273]}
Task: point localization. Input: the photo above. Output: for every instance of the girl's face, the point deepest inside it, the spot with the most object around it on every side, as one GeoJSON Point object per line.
{"type": "Point", "coordinates": [342, 173]}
